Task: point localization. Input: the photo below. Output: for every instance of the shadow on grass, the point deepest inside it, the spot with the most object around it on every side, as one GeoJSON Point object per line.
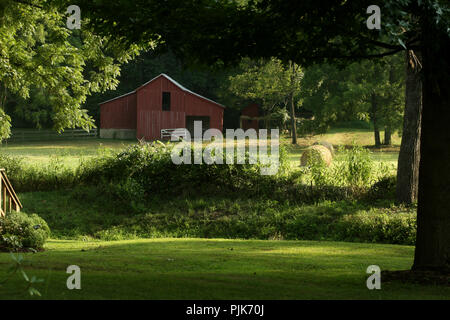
{"type": "Point", "coordinates": [217, 269]}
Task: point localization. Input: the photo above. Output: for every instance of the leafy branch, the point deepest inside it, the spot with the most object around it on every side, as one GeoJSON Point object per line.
{"type": "Point", "coordinates": [17, 267]}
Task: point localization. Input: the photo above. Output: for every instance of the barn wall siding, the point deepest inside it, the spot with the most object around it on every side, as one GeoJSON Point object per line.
{"type": "Point", "coordinates": [119, 113]}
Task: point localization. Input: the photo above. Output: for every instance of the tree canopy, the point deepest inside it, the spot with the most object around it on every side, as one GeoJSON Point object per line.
{"type": "Point", "coordinates": [40, 54]}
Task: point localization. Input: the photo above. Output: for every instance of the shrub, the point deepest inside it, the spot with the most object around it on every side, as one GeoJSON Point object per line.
{"type": "Point", "coordinates": [357, 170]}
{"type": "Point", "coordinates": [19, 231]}
{"type": "Point", "coordinates": [151, 166]}
{"type": "Point", "coordinates": [395, 228]}
{"type": "Point", "coordinates": [385, 188]}
{"type": "Point", "coordinates": [315, 154]}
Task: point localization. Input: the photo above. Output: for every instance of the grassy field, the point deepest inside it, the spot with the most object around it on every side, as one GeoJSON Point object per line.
{"type": "Point", "coordinates": [72, 151]}
{"type": "Point", "coordinates": [216, 269]}
{"type": "Point", "coordinates": [127, 266]}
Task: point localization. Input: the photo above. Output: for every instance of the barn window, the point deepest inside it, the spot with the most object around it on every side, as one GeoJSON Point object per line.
{"type": "Point", "coordinates": [166, 101]}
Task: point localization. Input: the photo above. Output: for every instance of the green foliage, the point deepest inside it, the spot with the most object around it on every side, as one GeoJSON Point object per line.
{"type": "Point", "coordinates": [310, 127]}
{"type": "Point", "coordinates": [267, 82]}
{"type": "Point", "coordinates": [19, 231]}
{"type": "Point", "coordinates": [385, 188]}
{"type": "Point", "coordinates": [259, 218]}
{"type": "Point", "coordinates": [49, 176]}
{"type": "Point", "coordinates": [395, 228]}
{"type": "Point", "coordinates": [39, 54]}
{"type": "Point", "coordinates": [151, 166]}
{"type": "Point", "coordinates": [356, 170]}
{"type": "Point", "coordinates": [35, 111]}
{"type": "Point", "coordinates": [128, 195]}
{"type": "Point", "coordinates": [362, 91]}
{"type": "Point", "coordinates": [17, 267]}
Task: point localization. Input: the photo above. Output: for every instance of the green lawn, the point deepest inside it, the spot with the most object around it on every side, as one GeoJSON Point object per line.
{"type": "Point", "coordinates": [70, 151]}
{"type": "Point", "coordinates": [216, 269]}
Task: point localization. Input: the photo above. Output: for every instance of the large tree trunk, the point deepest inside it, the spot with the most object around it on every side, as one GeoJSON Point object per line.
{"type": "Point", "coordinates": [433, 214]}
{"type": "Point", "coordinates": [409, 157]}
{"type": "Point", "coordinates": [376, 129]}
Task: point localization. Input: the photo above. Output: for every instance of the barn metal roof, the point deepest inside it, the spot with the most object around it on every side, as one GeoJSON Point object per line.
{"type": "Point", "coordinates": [124, 95]}
{"type": "Point", "coordinates": [171, 80]}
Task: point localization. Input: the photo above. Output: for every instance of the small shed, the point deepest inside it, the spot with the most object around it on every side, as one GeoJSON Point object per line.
{"type": "Point", "coordinates": [157, 105]}
{"type": "Point", "coordinates": [250, 117]}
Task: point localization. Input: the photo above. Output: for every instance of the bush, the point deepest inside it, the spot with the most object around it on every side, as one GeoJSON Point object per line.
{"type": "Point", "coordinates": [395, 228]}
{"type": "Point", "coordinates": [19, 231]}
{"type": "Point", "coordinates": [385, 188]}
{"type": "Point", "coordinates": [358, 169]}
{"type": "Point", "coordinates": [151, 166]}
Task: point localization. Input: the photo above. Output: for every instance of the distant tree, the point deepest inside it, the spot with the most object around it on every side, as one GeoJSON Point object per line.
{"type": "Point", "coordinates": [271, 83]}
{"type": "Point", "coordinates": [363, 91]}
{"type": "Point", "coordinates": [325, 93]}
{"type": "Point", "coordinates": [40, 54]}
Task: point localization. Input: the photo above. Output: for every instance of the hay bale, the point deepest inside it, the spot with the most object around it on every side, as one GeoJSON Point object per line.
{"type": "Point", "coordinates": [326, 144]}
{"type": "Point", "coordinates": [316, 153]}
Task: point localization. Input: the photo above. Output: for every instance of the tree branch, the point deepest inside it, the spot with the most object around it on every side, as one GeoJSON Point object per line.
{"type": "Point", "coordinates": [381, 44]}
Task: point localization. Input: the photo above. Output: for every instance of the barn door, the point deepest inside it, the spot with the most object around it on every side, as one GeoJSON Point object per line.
{"type": "Point", "coordinates": [190, 123]}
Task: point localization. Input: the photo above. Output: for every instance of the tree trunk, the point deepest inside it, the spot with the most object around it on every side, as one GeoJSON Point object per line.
{"type": "Point", "coordinates": [376, 130]}
{"type": "Point", "coordinates": [293, 123]}
{"type": "Point", "coordinates": [433, 213]}
{"type": "Point", "coordinates": [387, 135]}
{"type": "Point", "coordinates": [409, 157]}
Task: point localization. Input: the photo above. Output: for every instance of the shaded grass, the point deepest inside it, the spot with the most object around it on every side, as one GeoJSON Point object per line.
{"type": "Point", "coordinates": [90, 213]}
{"type": "Point", "coordinates": [217, 269]}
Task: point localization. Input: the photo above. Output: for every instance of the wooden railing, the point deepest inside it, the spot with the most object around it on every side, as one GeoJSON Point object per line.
{"type": "Point", "coordinates": [8, 198]}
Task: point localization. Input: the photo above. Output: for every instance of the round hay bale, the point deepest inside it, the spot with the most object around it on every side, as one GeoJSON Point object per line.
{"type": "Point", "coordinates": [326, 144]}
{"type": "Point", "coordinates": [314, 154]}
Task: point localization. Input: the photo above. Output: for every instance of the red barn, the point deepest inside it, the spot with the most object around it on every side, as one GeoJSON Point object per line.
{"type": "Point", "coordinates": [161, 103]}
{"type": "Point", "coordinates": [249, 118]}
